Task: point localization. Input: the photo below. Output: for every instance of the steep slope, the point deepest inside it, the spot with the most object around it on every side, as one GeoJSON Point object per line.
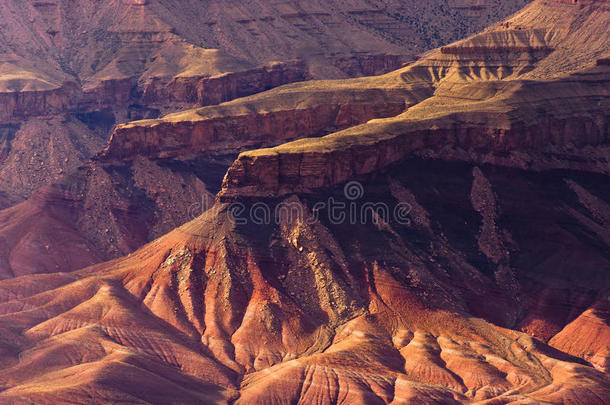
{"type": "Point", "coordinates": [138, 190]}
{"type": "Point", "coordinates": [165, 40]}
{"type": "Point", "coordinates": [354, 36]}
{"type": "Point", "coordinates": [43, 149]}
{"type": "Point", "coordinates": [476, 100]}
{"type": "Point", "coordinates": [27, 54]}
{"type": "Point", "coordinates": [102, 212]}
{"type": "Point", "coordinates": [293, 111]}
{"type": "Point", "coordinates": [585, 336]}
{"type": "Point", "coordinates": [454, 253]}
{"type": "Point", "coordinates": [486, 108]}
{"type": "Point", "coordinates": [518, 126]}
{"type": "Point", "coordinates": [115, 61]}
{"type": "Point", "coordinates": [409, 308]}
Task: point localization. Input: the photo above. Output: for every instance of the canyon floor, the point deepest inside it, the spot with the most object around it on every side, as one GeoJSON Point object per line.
{"type": "Point", "coordinates": [436, 234]}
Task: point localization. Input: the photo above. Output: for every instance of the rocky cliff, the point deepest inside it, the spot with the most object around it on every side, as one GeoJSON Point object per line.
{"type": "Point", "coordinates": [405, 308]}
{"type": "Point", "coordinates": [201, 90]}
{"type": "Point", "coordinates": [227, 87]}
{"type": "Point", "coordinates": [149, 163]}
{"type": "Point", "coordinates": [19, 105]}
{"type": "Point", "coordinates": [308, 109]}
{"type": "Point", "coordinates": [119, 61]}
{"type": "Point", "coordinates": [489, 105]}
{"type": "Point", "coordinates": [501, 131]}
{"type": "Point", "coordinates": [484, 106]}
{"type": "Point", "coordinates": [94, 110]}
{"type": "Point", "coordinates": [215, 89]}
{"type": "Point", "coordinates": [453, 249]}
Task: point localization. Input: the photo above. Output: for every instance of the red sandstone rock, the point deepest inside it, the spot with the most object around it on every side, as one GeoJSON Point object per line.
{"type": "Point", "coordinates": [430, 310]}
{"type": "Point", "coordinates": [15, 106]}
{"type": "Point", "coordinates": [229, 86]}
{"type": "Point", "coordinates": [325, 312]}
{"type": "Point", "coordinates": [140, 59]}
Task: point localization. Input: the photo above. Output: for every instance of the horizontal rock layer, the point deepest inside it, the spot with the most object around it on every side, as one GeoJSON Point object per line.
{"type": "Point", "coordinates": [291, 112]}
{"type": "Point", "coordinates": [235, 133]}
{"type": "Point", "coordinates": [15, 106]}
{"type": "Point", "coordinates": [550, 138]}
{"type": "Point", "coordinates": [215, 90]}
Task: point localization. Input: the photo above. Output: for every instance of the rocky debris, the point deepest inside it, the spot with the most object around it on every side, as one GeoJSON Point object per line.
{"type": "Point", "coordinates": [484, 202]}
{"type": "Point", "coordinates": [338, 305]}
{"type": "Point", "coordinates": [42, 149]}
{"type": "Point", "coordinates": [103, 212]}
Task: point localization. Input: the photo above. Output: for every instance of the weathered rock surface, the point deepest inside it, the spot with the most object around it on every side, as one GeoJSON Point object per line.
{"type": "Point", "coordinates": [489, 105]}
{"type": "Point", "coordinates": [470, 267]}
{"type": "Point", "coordinates": [227, 87]}
{"type": "Point", "coordinates": [587, 336]}
{"type": "Point", "coordinates": [105, 211]}
{"type": "Point", "coordinates": [171, 93]}
{"type": "Point", "coordinates": [477, 106]}
{"type": "Point", "coordinates": [513, 137]}
{"type": "Point", "coordinates": [43, 149]}
{"type": "Point", "coordinates": [119, 61]}
{"type": "Point", "coordinates": [16, 106]}
{"type": "Point", "coordinates": [127, 196]}
{"type": "Point", "coordinates": [374, 312]}
{"type": "Point", "coordinates": [295, 111]}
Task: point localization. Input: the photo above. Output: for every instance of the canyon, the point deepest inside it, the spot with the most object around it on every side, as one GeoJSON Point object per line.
{"type": "Point", "coordinates": [122, 60]}
{"type": "Point", "coordinates": [481, 70]}
{"type": "Point", "coordinates": [424, 311]}
{"type": "Point", "coordinates": [197, 255]}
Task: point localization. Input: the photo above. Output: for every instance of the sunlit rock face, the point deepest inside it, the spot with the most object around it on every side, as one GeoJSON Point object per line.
{"type": "Point", "coordinates": [116, 61]}
{"type": "Point", "coordinates": [429, 309]}
{"type": "Point", "coordinates": [438, 234]}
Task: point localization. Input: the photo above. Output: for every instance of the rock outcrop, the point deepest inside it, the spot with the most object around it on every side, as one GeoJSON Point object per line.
{"type": "Point", "coordinates": [119, 61]}
{"type": "Point", "coordinates": [203, 90]}
{"type": "Point", "coordinates": [484, 107]}
{"type": "Point", "coordinates": [546, 139]}
{"type": "Point", "coordinates": [489, 106]}
{"type": "Point", "coordinates": [301, 110]}
{"type": "Point", "coordinates": [229, 86]}
{"type": "Point", "coordinates": [439, 236]}
{"type": "Point", "coordinates": [369, 65]}
{"type": "Point", "coordinates": [151, 163]}
{"type": "Point", "coordinates": [19, 105]}
{"type": "Point", "coordinates": [402, 310]}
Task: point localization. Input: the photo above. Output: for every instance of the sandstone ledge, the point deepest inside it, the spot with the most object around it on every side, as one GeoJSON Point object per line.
{"type": "Point", "coordinates": [535, 128]}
